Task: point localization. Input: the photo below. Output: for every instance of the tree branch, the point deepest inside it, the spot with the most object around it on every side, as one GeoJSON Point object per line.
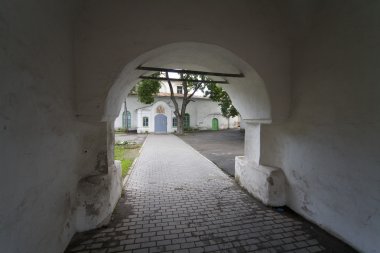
{"type": "Point", "coordinates": [195, 90]}
{"type": "Point", "coordinates": [172, 95]}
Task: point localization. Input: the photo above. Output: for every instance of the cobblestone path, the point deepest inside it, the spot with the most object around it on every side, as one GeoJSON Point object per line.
{"type": "Point", "coordinates": [178, 201]}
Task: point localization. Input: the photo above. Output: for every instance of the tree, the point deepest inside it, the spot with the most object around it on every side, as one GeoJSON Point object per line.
{"type": "Point", "coordinates": [217, 94]}
{"type": "Point", "coordinates": [147, 89]}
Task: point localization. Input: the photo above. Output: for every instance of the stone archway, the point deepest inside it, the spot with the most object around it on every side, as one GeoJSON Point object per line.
{"type": "Point", "coordinates": [249, 95]}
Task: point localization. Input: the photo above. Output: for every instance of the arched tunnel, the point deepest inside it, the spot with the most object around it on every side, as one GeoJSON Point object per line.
{"type": "Point", "coordinates": [308, 100]}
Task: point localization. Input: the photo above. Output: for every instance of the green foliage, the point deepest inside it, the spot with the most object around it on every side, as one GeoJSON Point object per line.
{"type": "Point", "coordinates": [120, 153]}
{"type": "Point", "coordinates": [147, 89]}
{"type": "Point", "coordinates": [125, 165]}
{"type": "Point", "coordinates": [217, 94]}
{"type": "Point", "coordinates": [191, 85]}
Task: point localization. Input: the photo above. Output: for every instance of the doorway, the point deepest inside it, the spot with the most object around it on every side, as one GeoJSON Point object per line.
{"type": "Point", "coordinates": [160, 123]}
{"type": "Point", "coordinates": [215, 124]}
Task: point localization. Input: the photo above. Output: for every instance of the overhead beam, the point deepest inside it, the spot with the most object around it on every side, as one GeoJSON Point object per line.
{"type": "Point", "coordinates": [186, 71]}
{"type": "Point", "coordinates": [180, 80]}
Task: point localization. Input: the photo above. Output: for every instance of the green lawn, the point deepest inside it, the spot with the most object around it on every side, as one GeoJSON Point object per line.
{"type": "Point", "coordinates": [126, 153]}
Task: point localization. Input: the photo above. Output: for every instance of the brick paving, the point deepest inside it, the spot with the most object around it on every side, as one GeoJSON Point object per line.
{"type": "Point", "coordinates": [184, 203]}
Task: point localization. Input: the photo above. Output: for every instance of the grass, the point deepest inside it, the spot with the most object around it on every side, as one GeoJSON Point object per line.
{"type": "Point", "coordinates": [126, 153]}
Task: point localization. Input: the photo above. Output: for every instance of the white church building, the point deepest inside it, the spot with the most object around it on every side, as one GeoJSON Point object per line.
{"type": "Point", "coordinates": [202, 113]}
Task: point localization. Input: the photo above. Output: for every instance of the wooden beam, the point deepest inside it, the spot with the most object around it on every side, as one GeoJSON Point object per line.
{"type": "Point", "coordinates": [185, 71]}
{"type": "Point", "coordinates": [180, 80]}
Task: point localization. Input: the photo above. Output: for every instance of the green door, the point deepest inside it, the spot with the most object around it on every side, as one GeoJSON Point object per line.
{"type": "Point", "coordinates": [215, 124]}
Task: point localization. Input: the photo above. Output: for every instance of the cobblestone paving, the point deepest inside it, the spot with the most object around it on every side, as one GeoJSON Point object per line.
{"type": "Point", "coordinates": [184, 203]}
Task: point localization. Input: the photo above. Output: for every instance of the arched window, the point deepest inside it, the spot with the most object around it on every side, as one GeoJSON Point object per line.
{"type": "Point", "coordinates": [124, 120]}
{"type": "Point", "coordinates": [186, 123]}
{"type": "Point", "coordinates": [129, 119]}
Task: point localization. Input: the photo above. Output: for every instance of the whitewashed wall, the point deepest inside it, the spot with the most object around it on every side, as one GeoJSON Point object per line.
{"type": "Point", "coordinates": [202, 111]}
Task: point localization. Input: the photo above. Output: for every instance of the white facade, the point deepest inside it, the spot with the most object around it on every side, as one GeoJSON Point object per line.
{"type": "Point", "coordinates": [202, 112]}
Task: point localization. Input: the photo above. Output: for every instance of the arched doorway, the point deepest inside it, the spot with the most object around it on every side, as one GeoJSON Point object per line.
{"type": "Point", "coordinates": [186, 122]}
{"type": "Point", "coordinates": [160, 123]}
{"type": "Point", "coordinates": [215, 124]}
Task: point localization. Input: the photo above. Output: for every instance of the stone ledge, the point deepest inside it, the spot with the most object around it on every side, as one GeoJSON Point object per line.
{"type": "Point", "coordinates": [266, 183]}
{"type": "Point", "coordinates": [97, 197]}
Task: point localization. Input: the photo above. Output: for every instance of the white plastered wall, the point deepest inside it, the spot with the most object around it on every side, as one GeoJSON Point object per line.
{"type": "Point", "coordinates": [47, 154]}
{"type": "Point", "coordinates": [41, 142]}
{"type": "Point", "coordinates": [329, 149]}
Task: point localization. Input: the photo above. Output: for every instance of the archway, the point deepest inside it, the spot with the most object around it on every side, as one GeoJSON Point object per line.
{"type": "Point", "coordinates": [248, 94]}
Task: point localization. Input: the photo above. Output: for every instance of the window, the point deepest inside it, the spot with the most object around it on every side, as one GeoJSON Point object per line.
{"type": "Point", "coordinates": [124, 120]}
{"type": "Point", "coordinates": [129, 119]}
{"type": "Point", "coordinates": [174, 122]}
{"type": "Point", "coordinates": [179, 90]}
{"type": "Point", "coordinates": [186, 123]}
{"type": "Point", "coordinates": [145, 121]}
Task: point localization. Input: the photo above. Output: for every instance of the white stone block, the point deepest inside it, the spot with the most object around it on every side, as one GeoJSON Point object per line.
{"type": "Point", "coordinates": [267, 184]}
{"type": "Point", "coordinates": [97, 197]}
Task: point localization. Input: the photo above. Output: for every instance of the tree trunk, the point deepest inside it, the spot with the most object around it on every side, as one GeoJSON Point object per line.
{"type": "Point", "coordinates": [180, 125]}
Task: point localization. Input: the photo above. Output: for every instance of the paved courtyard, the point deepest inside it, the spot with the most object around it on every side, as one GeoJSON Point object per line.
{"type": "Point", "coordinates": [220, 147]}
{"type": "Point", "coordinates": [176, 200]}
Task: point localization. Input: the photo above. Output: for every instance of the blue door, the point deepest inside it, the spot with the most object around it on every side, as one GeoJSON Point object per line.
{"type": "Point", "coordinates": [160, 123]}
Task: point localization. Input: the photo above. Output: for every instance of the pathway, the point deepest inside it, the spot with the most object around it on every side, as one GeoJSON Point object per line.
{"type": "Point", "coordinates": [178, 201]}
